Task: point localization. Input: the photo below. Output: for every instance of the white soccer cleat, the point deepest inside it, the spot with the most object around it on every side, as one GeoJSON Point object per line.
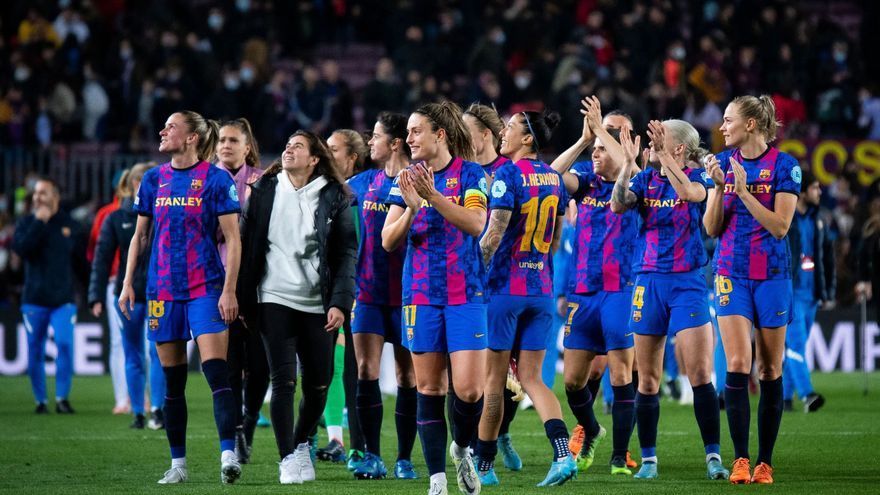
{"type": "Point", "coordinates": [288, 471]}
{"type": "Point", "coordinates": [174, 475]}
{"type": "Point", "coordinates": [438, 487]}
{"type": "Point", "coordinates": [303, 459]}
{"type": "Point", "coordinates": [230, 469]}
{"type": "Point", "coordinates": [465, 472]}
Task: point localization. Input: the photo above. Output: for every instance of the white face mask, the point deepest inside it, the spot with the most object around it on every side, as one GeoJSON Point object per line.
{"type": "Point", "coordinates": [22, 73]}
{"type": "Point", "coordinates": [231, 83]}
{"type": "Point", "coordinates": [247, 74]}
{"type": "Point", "coordinates": [215, 21]}
{"type": "Point", "coordinates": [522, 82]}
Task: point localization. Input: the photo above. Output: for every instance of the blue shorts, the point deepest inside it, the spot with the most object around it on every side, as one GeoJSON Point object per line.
{"type": "Point", "coordinates": [767, 303]}
{"type": "Point", "coordinates": [178, 320]}
{"type": "Point", "coordinates": [379, 319]}
{"type": "Point", "coordinates": [667, 303]}
{"type": "Point", "coordinates": [598, 322]}
{"type": "Point", "coordinates": [445, 328]}
{"type": "Point", "coordinates": [519, 322]}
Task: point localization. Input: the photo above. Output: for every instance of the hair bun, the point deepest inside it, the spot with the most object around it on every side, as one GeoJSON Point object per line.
{"type": "Point", "coordinates": [552, 119]}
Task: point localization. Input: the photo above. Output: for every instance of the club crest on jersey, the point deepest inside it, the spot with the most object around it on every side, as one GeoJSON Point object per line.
{"type": "Point", "coordinates": [637, 316]}
{"type": "Point", "coordinates": [451, 182]}
{"type": "Point", "coordinates": [196, 184]}
{"type": "Point", "coordinates": [724, 300]}
{"type": "Point", "coordinates": [154, 324]}
{"type": "Point", "coordinates": [765, 173]}
{"type": "Point", "coordinates": [409, 333]}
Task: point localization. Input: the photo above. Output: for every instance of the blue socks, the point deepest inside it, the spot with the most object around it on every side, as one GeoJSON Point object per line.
{"type": "Point", "coordinates": [739, 414]}
{"type": "Point", "coordinates": [217, 373]}
{"type": "Point", "coordinates": [622, 414]}
{"type": "Point", "coordinates": [175, 409]}
{"type": "Point", "coordinates": [369, 411]}
{"type": "Point", "coordinates": [432, 431]}
{"type": "Point", "coordinates": [405, 420]}
{"type": "Point", "coordinates": [648, 415]}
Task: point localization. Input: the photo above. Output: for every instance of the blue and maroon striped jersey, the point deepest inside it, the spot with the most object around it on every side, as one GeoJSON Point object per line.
{"type": "Point", "coordinates": [746, 249]}
{"type": "Point", "coordinates": [603, 242]}
{"type": "Point", "coordinates": [379, 273]}
{"type": "Point", "coordinates": [444, 265]}
{"type": "Point", "coordinates": [490, 168]}
{"type": "Point", "coordinates": [671, 239]}
{"type": "Point", "coordinates": [534, 193]}
{"type": "Point", "coordinates": [185, 204]}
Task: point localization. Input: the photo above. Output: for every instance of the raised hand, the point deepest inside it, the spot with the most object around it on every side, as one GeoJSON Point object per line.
{"type": "Point", "coordinates": [740, 177]}
{"type": "Point", "coordinates": [587, 134]}
{"type": "Point", "coordinates": [592, 112]}
{"type": "Point", "coordinates": [408, 191]}
{"type": "Point", "coordinates": [713, 168]}
{"type": "Point", "coordinates": [423, 180]}
{"type": "Point", "coordinates": [657, 134]}
{"type": "Point", "coordinates": [629, 145]}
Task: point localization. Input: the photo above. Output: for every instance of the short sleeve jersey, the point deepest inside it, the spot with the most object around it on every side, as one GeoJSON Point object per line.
{"type": "Point", "coordinates": [604, 241]}
{"type": "Point", "coordinates": [185, 205]}
{"type": "Point", "coordinates": [670, 239]}
{"type": "Point", "coordinates": [535, 195]}
{"type": "Point", "coordinates": [746, 249]}
{"type": "Point", "coordinates": [379, 272]}
{"type": "Point", "coordinates": [443, 265]}
{"type": "Point", "coordinates": [490, 168]}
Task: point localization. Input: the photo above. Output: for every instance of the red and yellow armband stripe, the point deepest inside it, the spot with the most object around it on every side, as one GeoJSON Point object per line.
{"type": "Point", "coordinates": [475, 199]}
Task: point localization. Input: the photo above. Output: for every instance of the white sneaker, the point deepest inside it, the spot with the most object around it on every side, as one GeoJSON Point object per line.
{"type": "Point", "coordinates": [288, 471]}
{"type": "Point", "coordinates": [438, 487]}
{"type": "Point", "coordinates": [230, 469]}
{"type": "Point", "coordinates": [303, 459]}
{"type": "Point", "coordinates": [174, 475]}
{"type": "Point", "coordinates": [465, 472]}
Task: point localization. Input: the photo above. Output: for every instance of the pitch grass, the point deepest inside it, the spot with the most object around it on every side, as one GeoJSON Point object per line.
{"type": "Point", "coordinates": [95, 452]}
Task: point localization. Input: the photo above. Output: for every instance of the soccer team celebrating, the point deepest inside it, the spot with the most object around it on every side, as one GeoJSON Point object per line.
{"type": "Point", "coordinates": [451, 261]}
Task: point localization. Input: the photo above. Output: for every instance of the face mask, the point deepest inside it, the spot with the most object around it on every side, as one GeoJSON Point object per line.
{"type": "Point", "coordinates": [125, 53]}
{"type": "Point", "coordinates": [215, 21]}
{"type": "Point", "coordinates": [63, 4]}
{"type": "Point", "coordinates": [499, 38]}
{"type": "Point", "coordinates": [231, 83]}
{"type": "Point", "coordinates": [839, 57]}
{"type": "Point", "coordinates": [22, 73]}
{"type": "Point", "coordinates": [678, 53]}
{"type": "Point", "coordinates": [243, 5]}
{"type": "Point", "coordinates": [522, 82]}
{"type": "Point", "coordinates": [247, 74]}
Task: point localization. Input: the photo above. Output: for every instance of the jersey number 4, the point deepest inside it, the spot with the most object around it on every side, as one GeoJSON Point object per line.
{"type": "Point", "coordinates": [538, 219]}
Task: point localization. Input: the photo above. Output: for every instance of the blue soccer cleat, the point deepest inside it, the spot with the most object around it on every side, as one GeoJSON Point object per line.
{"type": "Point", "coordinates": [355, 457]}
{"type": "Point", "coordinates": [647, 472]}
{"type": "Point", "coordinates": [404, 470]}
{"type": "Point", "coordinates": [511, 459]}
{"type": "Point", "coordinates": [560, 472]}
{"type": "Point", "coordinates": [371, 468]}
{"type": "Point", "coordinates": [715, 470]}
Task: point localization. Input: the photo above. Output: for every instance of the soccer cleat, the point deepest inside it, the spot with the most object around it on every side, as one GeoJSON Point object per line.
{"type": "Point", "coordinates": [404, 470]}
{"type": "Point", "coordinates": [174, 475]}
{"type": "Point", "coordinates": [740, 474]}
{"type": "Point", "coordinates": [313, 448]}
{"type": "Point", "coordinates": [288, 471]}
{"type": "Point", "coordinates": [588, 450]}
{"type": "Point", "coordinates": [333, 452]}
{"type": "Point", "coordinates": [465, 472]}
{"type": "Point", "coordinates": [509, 455]}
{"type": "Point", "coordinates": [715, 470]}
{"type": "Point", "coordinates": [813, 403]}
{"type": "Point", "coordinates": [355, 457]}
{"type": "Point", "coordinates": [230, 469]}
{"type": "Point", "coordinates": [157, 420]}
{"type": "Point", "coordinates": [630, 462]}
{"type": "Point", "coordinates": [619, 466]}
{"type": "Point", "coordinates": [488, 478]}
{"type": "Point", "coordinates": [242, 450]}
{"type": "Point", "coordinates": [303, 459]}
{"type": "Point", "coordinates": [138, 422]}
{"type": "Point", "coordinates": [560, 472]}
{"type": "Point", "coordinates": [63, 407]}
{"type": "Point", "coordinates": [763, 474]}
{"type": "Point", "coordinates": [647, 472]}
{"type": "Point", "coordinates": [438, 487]}
{"type": "Point", "coordinates": [576, 442]}
{"type": "Point", "coordinates": [371, 468]}
{"type": "Point", "coordinates": [41, 408]}
{"type": "Point", "coordinates": [263, 422]}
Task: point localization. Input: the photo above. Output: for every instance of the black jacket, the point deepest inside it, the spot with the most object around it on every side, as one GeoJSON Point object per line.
{"type": "Point", "coordinates": [116, 234]}
{"type": "Point", "coordinates": [825, 275]}
{"type": "Point", "coordinates": [337, 245]}
{"type": "Point", "coordinates": [54, 255]}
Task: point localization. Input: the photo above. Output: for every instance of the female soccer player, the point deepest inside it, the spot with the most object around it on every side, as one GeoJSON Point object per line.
{"type": "Point", "coordinates": [600, 283]}
{"type": "Point", "coordinates": [115, 235]}
{"type": "Point", "coordinates": [751, 210]}
{"type": "Point", "coordinates": [439, 208]}
{"type": "Point", "coordinates": [188, 291]}
{"type": "Point", "coordinates": [239, 154]}
{"type": "Point", "coordinates": [528, 202]}
{"type": "Point", "coordinates": [298, 279]}
{"type": "Point", "coordinates": [669, 297]}
{"type": "Point", "coordinates": [376, 315]}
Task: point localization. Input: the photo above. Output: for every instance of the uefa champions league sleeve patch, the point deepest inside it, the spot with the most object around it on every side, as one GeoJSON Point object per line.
{"type": "Point", "coordinates": [705, 176]}
{"type": "Point", "coordinates": [233, 193]}
{"type": "Point", "coordinates": [498, 188]}
{"type": "Point", "coordinates": [796, 174]}
{"type": "Point", "coordinates": [482, 185]}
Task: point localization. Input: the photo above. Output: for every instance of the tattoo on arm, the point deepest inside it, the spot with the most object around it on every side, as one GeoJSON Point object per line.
{"type": "Point", "coordinates": [621, 193]}
{"type": "Point", "coordinates": [497, 225]}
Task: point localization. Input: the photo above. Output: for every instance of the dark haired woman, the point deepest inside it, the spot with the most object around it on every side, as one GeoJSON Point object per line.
{"type": "Point", "coordinates": [189, 294]}
{"type": "Point", "coordinates": [298, 282]}
{"type": "Point", "coordinates": [238, 154]}
{"type": "Point", "coordinates": [439, 209]}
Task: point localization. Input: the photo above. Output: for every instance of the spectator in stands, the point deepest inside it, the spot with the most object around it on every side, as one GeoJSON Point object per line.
{"type": "Point", "coordinates": [382, 93]}
{"type": "Point", "coordinates": [52, 246]}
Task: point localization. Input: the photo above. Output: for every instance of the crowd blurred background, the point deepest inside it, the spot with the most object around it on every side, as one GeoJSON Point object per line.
{"type": "Point", "coordinates": [85, 85]}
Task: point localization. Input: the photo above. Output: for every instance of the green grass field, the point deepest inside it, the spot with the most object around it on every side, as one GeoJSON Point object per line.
{"type": "Point", "coordinates": [95, 452]}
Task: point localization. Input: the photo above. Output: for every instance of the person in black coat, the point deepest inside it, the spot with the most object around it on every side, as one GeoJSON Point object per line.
{"type": "Point", "coordinates": [297, 281]}
{"type": "Point", "coordinates": [53, 248]}
{"type": "Point", "coordinates": [115, 236]}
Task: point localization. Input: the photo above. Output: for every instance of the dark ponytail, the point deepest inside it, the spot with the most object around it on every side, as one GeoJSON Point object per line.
{"type": "Point", "coordinates": [541, 127]}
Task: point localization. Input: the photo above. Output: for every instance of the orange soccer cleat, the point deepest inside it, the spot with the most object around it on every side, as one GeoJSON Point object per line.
{"type": "Point", "coordinates": [740, 475]}
{"type": "Point", "coordinates": [763, 474]}
{"type": "Point", "coordinates": [577, 441]}
{"type": "Point", "coordinates": [630, 463]}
